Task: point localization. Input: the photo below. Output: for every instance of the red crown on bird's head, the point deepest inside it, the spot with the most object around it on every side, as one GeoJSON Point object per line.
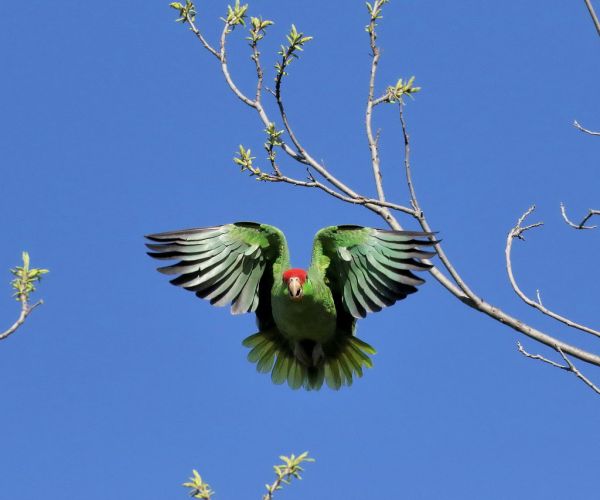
{"type": "Point", "coordinates": [295, 273]}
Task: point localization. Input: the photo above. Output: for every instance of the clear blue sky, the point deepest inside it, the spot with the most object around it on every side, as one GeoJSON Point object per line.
{"type": "Point", "coordinates": [116, 123]}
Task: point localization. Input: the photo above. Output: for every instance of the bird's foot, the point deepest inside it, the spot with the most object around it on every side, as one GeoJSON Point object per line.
{"type": "Point", "coordinates": [317, 354]}
{"type": "Point", "coordinates": [300, 354]}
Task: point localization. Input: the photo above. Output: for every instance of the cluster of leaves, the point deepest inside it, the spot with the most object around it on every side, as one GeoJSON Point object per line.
{"type": "Point", "coordinates": [198, 488]}
{"type": "Point", "coordinates": [288, 53]}
{"type": "Point", "coordinates": [236, 15]}
{"type": "Point", "coordinates": [394, 93]}
{"type": "Point", "coordinates": [375, 13]}
{"type": "Point", "coordinates": [273, 141]}
{"type": "Point", "coordinates": [25, 279]}
{"type": "Point", "coordinates": [286, 471]}
{"type": "Point", "coordinates": [187, 12]}
{"type": "Point", "coordinates": [258, 29]}
{"type": "Point", "coordinates": [245, 161]}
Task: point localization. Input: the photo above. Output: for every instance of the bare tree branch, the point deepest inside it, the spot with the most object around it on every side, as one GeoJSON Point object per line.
{"type": "Point", "coordinates": [411, 187]}
{"type": "Point", "coordinates": [375, 55]}
{"type": "Point", "coordinates": [590, 132]}
{"type": "Point", "coordinates": [577, 373]}
{"type": "Point", "coordinates": [517, 232]}
{"type": "Point", "coordinates": [581, 225]}
{"type": "Point", "coordinates": [569, 367]}
{"type": "Point", "coordinates": [454, 283]}
{"type": "Point", "coordinates": [463, 292]}
{"type": "Point", "coordinates": [590, 7]}
{"type": "Point", "coordinates": [540, 357]}
{"type": "Point", "coordinates": [26, 310]}
{"type": "Point", "coordinates": [188, 15]}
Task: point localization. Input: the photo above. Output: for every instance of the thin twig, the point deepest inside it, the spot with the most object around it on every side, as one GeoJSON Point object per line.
{"type": "Point", "coordinates": [26, 310]}
{"type": "Point", "coordinates": [373, 143]}
{"type": "Point", "coordinates": [411, 187]}
{"type": "Point", "coordinates": [540, 358]}
{"type": "Point", "coordinates": [577, 373]}
{"type": "Point", "coordinates": [569, 367]}
{"type": "Point", "coordinates": [313, 183]}
{"type": "Point", "coordinates": [384, 98]}
{"type": "Point", "coordinates": [259, 72]}
{"type": "Point", "coordinates": [225, 68]}
{"type": "Point", "coordinates": [463, 288]}
{"type": "Point", "coordinates": [517, 232]}
{"type": "Point", "coordinates": [303, 155]}
{"type": "Point", "coordinates": [354, 201]}
{"type": "Point", "coordinates": [593, 15]}
{"type": "Point", "coordinates": [587, 131]}
{"type": "Point", "coordinates": [198, 34]}
{"type": "Point", "coordinates": [581, 225]}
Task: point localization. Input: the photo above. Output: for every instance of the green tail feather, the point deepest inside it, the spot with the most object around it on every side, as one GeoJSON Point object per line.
{"type": "Point", "coordinates": [343, 360]}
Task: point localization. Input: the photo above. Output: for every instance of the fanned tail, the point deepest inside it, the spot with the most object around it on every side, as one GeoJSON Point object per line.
{"type": "Point", "coordinates": [308, 364]}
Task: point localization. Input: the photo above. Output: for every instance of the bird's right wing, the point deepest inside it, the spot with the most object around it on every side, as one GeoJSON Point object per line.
{"type": "Point", "coordinates": [224, 264]}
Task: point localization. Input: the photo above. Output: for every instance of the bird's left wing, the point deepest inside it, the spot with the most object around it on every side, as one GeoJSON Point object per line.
{"type": "Point", "coordinates": [370, 268]}
{"type": "Point", "coordinates": [224, 264]}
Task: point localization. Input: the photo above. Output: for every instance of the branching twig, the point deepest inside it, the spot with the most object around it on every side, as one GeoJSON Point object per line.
{"type": "Point", "coordinates": [569, 367]}
{"type": "Point", "coordinates": [26, 310]}
{"type": "Point", "coordinates": [24, 286]}
{"type": "Point", "coordinates": [517, 232]}
{"type": "Point", "coordinates": [540, 357]}
{"type": "Point", "coordinates": [246, 162]}
{"type": "Point", "coordinates": [581, 225]}
{"type": "Point", "coordinates": [285, 472]}
{"type": "Point", "coordinates": [301, 155]}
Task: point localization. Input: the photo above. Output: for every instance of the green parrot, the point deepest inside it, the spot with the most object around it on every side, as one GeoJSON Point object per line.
{"type": "Point", "coordinates": [306, 319]}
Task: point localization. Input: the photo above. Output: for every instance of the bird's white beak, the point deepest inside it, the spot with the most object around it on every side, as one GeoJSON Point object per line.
{"type": "Point", "coordinates": [295, 289]}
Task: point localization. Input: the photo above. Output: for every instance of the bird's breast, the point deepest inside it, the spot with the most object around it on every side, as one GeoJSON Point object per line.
{"type": "Point", "coordinates": [313, 317]}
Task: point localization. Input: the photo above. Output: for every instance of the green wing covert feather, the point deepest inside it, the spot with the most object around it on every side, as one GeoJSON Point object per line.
{"type": "Point", "coordinates": [370, 268]}
{"type": "Point", "coordinates": [224, 264]}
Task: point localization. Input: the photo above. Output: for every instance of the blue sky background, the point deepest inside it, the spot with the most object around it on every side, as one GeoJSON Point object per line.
{"type": "Point", "coordinates": [116, 123]}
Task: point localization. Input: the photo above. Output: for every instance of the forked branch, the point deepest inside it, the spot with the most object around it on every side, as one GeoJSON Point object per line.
{"type": "Point", "coordinates": [570, 366]}
{"type": "Point", "coordinates": [517, 233]}
{"type": "Point", "coordinates": [581, 225]}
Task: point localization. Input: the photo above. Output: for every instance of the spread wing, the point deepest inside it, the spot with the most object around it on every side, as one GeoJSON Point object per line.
{"type": "Point", "coordinates": [225, 264]}
{"type": "Point", "coordinates": [370, 268]}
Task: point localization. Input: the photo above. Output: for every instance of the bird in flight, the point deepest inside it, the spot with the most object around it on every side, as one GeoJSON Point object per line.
{"type": "Point", "coordinates": [306, 319]}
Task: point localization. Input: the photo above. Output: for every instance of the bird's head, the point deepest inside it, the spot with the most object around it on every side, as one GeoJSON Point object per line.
{"type": "Point", "coordinates": [294, 279]}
